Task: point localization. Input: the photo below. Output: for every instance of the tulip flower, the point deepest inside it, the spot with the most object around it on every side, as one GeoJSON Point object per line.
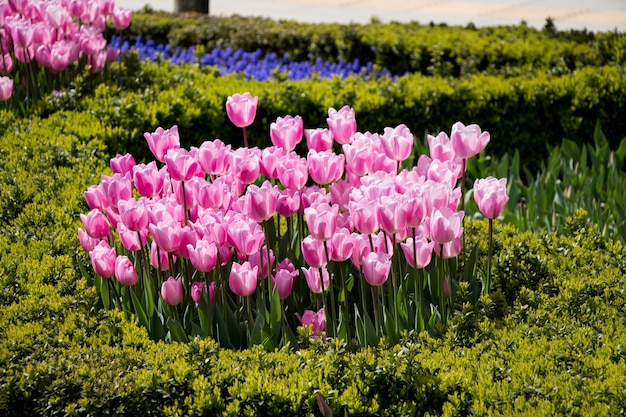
{"type": "Point", "coordinates": [103, 259]}
{"type": "Point", "coordinates": [469, 140]}
{"type": "Point", "coordinates": [87, 242]}
{"type": "Point", "coordinates": [96, 224]}
{"type": "Point", "coordinates": [166, 234]}
{"type": "Point", "coordinates": [286, 132]}
{"type": "Point", "coordinates": [162, 140]}
{"type": "Point", "coordinates": [294, 173]}
{"type": "Point", "coordinates": [214, 157]}
{"type": "Point", "coordinates": [172, 291]}
{"type": "Point", "coordinates": [342, 124]}
{"type": "Point", "coordinates": [122, 164]}
{"type": "Point", "coordinates": [241, 109]}
{"type": "Point", "coordinates": [321, 220]}
{"type": "Point", "coordinates": [490, 195]}
{"type": "Point", "coordinates": [246, 236]}
{"type": "Point", "coordinates": [376, 267]}
{"type": "Point", "coordinates": [319, 139]}
{"type": "Point", "coordinates": [181, 165]}
{"type": "Point", "coordinates": [422, 248]}
{"type": "Point", "coordinates": [312, 276]}
{"type": "Point", "coordinates": [197, 288]}
{"type": "Point", "coordinates": [316, 321]}
{"type": "Point", "coordinates": [397, 143]}
{"type": "Point", "coordinates": [243, 279]}
{"type": "Point", "coordinates": [313, 252]}
{"type": "Point", "coordinates": [282, 280]}
{"type": "Point", "coordinates": [325, 167]}
{"type": "Point", "coordinates": [261, 201]}
{"type": "Point", "coordinates": [445, 225]}
{"type": "Point", "coordinates": [288, 202]}
{"type": "Point", "coordinates": [121, 18]}
{"type": "Point", "coordinates": [6, 88]}
{"type": "Point", "coordinates": [341, 245]}
{"type": "Point", "coordinates": [203, 255]}
{"type": "Point", "coordinates": [256, 258]}
{"type": "Point", "coordinates": [125, 271]}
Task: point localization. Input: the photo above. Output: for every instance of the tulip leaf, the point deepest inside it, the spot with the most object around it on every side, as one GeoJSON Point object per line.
{"type": "Point", "coordinates": [256, 337]}
{"type": "Point", "coordinates": [275, 313]}
{"type": "Point", "coordinates": [139, 311]}
{"type": "Point", "coordinates": [148, 297]}
{"type": "Point", "coordinates": [177, 333]}
{"type": "Point", "coordinates": [222, 334]}
{"type": "Point", "coordinates": [366, 332]}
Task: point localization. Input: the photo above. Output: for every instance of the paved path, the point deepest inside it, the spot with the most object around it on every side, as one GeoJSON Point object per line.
{"type": "Point", "coordinates": [594, 15]}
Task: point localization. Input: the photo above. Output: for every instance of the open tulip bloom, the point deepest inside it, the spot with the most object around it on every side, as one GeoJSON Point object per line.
{"type": "Point", "coordinates": [366, 250]}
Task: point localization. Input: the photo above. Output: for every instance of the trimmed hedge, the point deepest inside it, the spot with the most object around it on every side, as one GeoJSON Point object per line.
{"type": "Point", "coordinates": [549, 340]}
{"type": "Point", "coordinates": [521, 113]}
{"type": "Point", "coordinates": [399, 47]}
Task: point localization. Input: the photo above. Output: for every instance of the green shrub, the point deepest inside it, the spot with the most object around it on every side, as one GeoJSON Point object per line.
{"type": "Point", "coordinates": [400, 47]}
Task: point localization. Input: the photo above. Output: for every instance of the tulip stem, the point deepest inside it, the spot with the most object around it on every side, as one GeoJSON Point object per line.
{"type": "Point", "coordinates": [330, 289]}
{"type": "Point", "coordinates": [442, 299]}
{"type": "Point", "coordinates": [487, 286]}
{"type": "Point", "coordinates": [245, 138]}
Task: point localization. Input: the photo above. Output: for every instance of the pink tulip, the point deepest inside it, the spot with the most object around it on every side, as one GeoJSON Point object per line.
{"type": "Point", "coordinates": [241, 109]}
{"type": "Point", "coordinates": [451, 249]}
{"type": "Point", "coordinates": [159, 258]}
{"type": "Point", "coordinates": [122, 164]}
{"type": "Point", "coordinates": [256, 258]}
{"type": "Point", "coordinates": [96, 224]}
{"type": "Point", "coordinates": [243, 279]}
{"type": "Point", "coordinates": [125, 271]}
{"type": "Point", "coordinates": [286, 132]}
{"type": "Point", "coordinates": [134, 214]}
{"type": "Point", "coordinates": [121, 17]}
{"type": "Point", "coordinates": [288, 202]}
{"type": "Point", "coordinates": [319, 139]}
{"type": "Point", "coordinates": [197, 288]}
{"type": "Point", "coordinates": [313, 252]}
{"type": "Point", "coordinates": [423, 252]}
{"type": "Point", "coordinates": [440, 147]}
{"type": "Point", "coordinates": [172, 291]}
{"type": "Point", "coordinates": [321, 220]}
{"type": "Point", "coordinates": [445, 225]}
{"type": "Point", "coordinates": [361, 248]}
{"type": "Point", "coordinates": [359, 157]}
{"type": "Point", "coordinates": [313, 195]}
{"type": "Point", "coordinates": [6, 88]}
{"type": "Point", "coordinates": [365, 216]}
{"type": "Point", "coordinates": [272, 161]}
{"type": "Point", "coordinates": [294, 173]}
{"type": "Point", "coordinates": [261, 201]}
{"type": "Point", "coordinates": [117, 188]}
{"type": "Point", "coordinates": [148, 179]}
{"type": "Point", "coordinates": [376, 267]}
{"type": "Point", "coordinates": [316, 321]}
{"type": "Point", "coordinates": [341, 245]}
{"type": "Point", "coordinates": [87, 242]}
{"type": "Point", "coordinates": [188, 236]}
{"type": "Point", "coordinates": [6, 65]}
{"type": "Point", "coordinates": [397, 142]}
{"type": "Point", "coordinates": [490, 195]}
{"type": "Point", "coordinates": [181, 165]}
{"type": "Point", "coordinates": [342, 124]}
{"type": "Point", "coordinates": [103, 259]}
{"type": "Point", "coordinates": [166, 234]}
{"type": "Point", "coordinates": [312, 276]}
{"type": "Point", "coordinates": [282, 280]}
{"type": "Point", "coordinates": [393, 214]}
{"type": "Point", "coordinates": [129, 238]}
{"type": "Point", "coordinates": [203, 255]}
{"type": "Point", "coordinates": [162, 140]}
{"type": "Point", "coordinates": [340, 194]}
{"type": "Point", "coordinates": [325, 167]}
{"type": "Point", "coordinates": [246, 164]}
{"type": "Point", "coordinates": [61, 54]}
{"type": "Point", "coordinates": [468, 141]}
{"type": "Point", "coordinates": [246, 236]}
{"type": "Point", "coordinates": [214, 157]}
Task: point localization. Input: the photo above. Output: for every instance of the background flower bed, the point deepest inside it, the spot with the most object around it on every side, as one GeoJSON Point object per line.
{"type": "Point", "coordinates": [548, 341]}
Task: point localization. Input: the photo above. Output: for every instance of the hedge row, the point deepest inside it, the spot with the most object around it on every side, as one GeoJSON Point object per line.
{"type": "Point", "coordinates": [399, 47]}
{"type": "Point", "coordinates": [548, 341]}
{"type": "Point", "coordinates": [523, 113]}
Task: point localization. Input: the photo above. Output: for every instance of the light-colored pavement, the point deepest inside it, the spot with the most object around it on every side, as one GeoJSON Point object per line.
{"type": "Point", "coordinates": [593, 15]}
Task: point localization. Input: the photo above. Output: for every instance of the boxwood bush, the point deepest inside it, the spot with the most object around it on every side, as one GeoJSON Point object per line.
{"type": "Point", "coordinates": [548, 341]}
{"type": "Point", "coordinates": [400, 47]}
{"type": "Point", "coordinates": [521, 113]}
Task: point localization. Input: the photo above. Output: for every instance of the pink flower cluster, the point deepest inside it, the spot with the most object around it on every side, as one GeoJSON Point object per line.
{"type": "Point", "coordinates": [56, 33]}
{"type": "Point", "coordinates": [207, 204]}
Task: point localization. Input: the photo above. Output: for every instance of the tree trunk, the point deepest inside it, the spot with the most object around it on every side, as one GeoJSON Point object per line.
{"type": "Point", "coordinates": [200, 6]}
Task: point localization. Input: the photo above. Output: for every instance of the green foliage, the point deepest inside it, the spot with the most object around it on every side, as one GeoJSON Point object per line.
{"type": "Point", "coordinates": [400, 47]}
{"type": "Point", "coordinates": [526, 114]}
{"type": "Point", "coordinates": [555, 346]}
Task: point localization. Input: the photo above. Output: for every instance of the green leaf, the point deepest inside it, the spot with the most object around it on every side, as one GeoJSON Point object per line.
{"type": "Point", "coordinates": [139, 311]}
{"type": "Point", "coordinates": [177, 332]}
